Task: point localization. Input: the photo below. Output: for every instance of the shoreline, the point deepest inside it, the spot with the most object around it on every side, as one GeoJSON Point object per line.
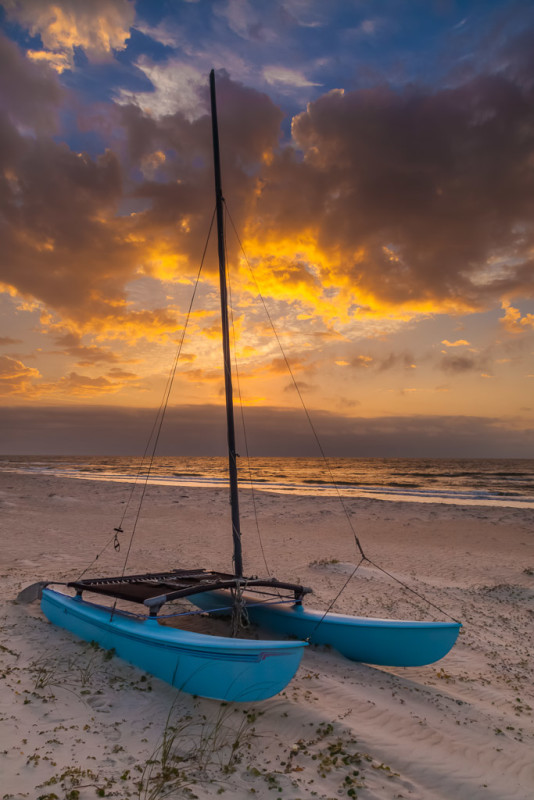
{"type": "Point", "coordinates": [319, 489]}
{"type": "Point", "coordinates": [460, 729]}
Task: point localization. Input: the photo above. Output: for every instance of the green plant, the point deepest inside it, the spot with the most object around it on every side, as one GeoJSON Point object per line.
{"type": "Point", "coordinates": [72, 779]}
{"type": "Point", "coordinates": [46, 672]}
{"type": "Point", "coordinates": [189, 746]}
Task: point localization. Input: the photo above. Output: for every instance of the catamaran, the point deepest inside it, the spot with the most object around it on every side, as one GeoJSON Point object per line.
{"type": "Point", "coordinates": [229, 668]}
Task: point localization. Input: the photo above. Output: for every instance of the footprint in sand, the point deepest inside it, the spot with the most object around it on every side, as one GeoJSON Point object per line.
{"type": "Point", "coordinates": [98, 704]}
{"type": "Point", "coordinates": [113, 735]}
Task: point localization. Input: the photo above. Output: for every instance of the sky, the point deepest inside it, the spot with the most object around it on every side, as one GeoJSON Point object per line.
{"type": "Point", "coordinates": [378, 171]}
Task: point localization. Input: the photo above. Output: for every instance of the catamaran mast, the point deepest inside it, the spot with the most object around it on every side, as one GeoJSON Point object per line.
{"type": "Point", "coordinates": [232, 455]}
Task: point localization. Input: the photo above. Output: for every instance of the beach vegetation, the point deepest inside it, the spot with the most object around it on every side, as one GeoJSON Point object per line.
{"type": "Point", "coordinates": [72, 780]}
{"type": "Point", "coordinates": [46, 672]}
{"type": "Point", "coordinates": [444, 676]}
{"type": "Point", "coordinates": [191, 745]}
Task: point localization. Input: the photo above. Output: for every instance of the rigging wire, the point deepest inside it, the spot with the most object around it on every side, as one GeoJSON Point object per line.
{"type": "Point", "coordinates": [338, 595]}
{"type": "Point", "coordinates": [412, 590]}
{"type": "Point", "coordinates": [242, 414]}
{"type": "Point", "coordinates": [154, 434]}
{"type": "Point", "coordinates": [299, 393]}
{"type": "Point", "coordinates": [163, 408]}
{"type": "Point", "coordinates": [323, 454]}
{"type": "Point", "coordinates": [119, 529]}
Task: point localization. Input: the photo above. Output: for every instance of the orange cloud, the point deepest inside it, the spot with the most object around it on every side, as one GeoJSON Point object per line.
{"type": "Point", "coordinates": [203, 375]}
{"type": "Point", "coordinates": [513, 322]}
{"type": "Point", "coordinates": [58, 61]}
{"type": "Point", "coordinates": [361, 361]}
{"type": "Point", "coordinates": [457, 343]}
{"type": "Point", "coordinates": [99, 27]}
{"type": "Point", "coordinates": [16, 377]}
{"type": "Point", "coordinates": [279, 365]}
{"type": "Point", "coordinates": [85, 355]}
{"type": "Point", "coordinates": [353, 227]}
{"type": "Point", "coordinates": [390, 196]}
{"type": "Point", "coordinates": [76, 385]}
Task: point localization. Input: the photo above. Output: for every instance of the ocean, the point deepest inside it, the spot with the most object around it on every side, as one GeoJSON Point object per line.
{"type": "Point", "coordinates": [495, 482]}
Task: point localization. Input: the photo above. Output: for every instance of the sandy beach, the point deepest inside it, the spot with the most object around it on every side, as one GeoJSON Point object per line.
{"type": "Point", "coordinates": [75, 723]}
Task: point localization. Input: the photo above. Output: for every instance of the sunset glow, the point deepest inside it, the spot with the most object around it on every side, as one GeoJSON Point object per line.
{"type": "Point", "coordinates": [378, 169]}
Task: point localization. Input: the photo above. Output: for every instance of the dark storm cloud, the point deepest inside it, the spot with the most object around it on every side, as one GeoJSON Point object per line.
{"type": "Point", "coordinates": [416, 196]}
{"type": "Point", "coordinates": [54, 203]}
{"type": "Point", "coordinates": [63, 242]}
{"type": "Point", "coordinates": [180, 198]}
{"type": "Point", "coordinates": [424, 185]}
{"type": "Point", "coordinates": [199, 430]}
{"type": "Point", "coordinates": [60, 245]}
{"type": "Point", "coordinates": [29, 94]}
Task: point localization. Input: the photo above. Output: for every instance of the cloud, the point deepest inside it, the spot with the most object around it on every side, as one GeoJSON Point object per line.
{"type": "Point", "coordinates": [15, 377]}
{"type": "Point", "coordinates": [278, 365]}
{"type": "Point", "coordinates": [120, 374]}
{"type": "Point", "coordinates": [178, 204]}
{"type": "Point", "coordinates": [286, 77]}
{"type": "Point", "coordinates": [98, 27]}
{"type": "Point", "coordinates": [384, 363]}
{"type": "Point", "coordinates": [179, 87]}
{"type": "Point", "coordinates": [65, 245]}
{"type": "Point", "coordinates": [199, 430]}
{"type": "Point", "coordinates": [361, 361]}
{"type": "Point", "coordinates": [384, 203]}
{"type": "Point", "coordinates": [367, 29]}
{"type": "Point", "coordinates": [410, 195]}
{"type": "Point", "coordinates": [59, 245]}
{"type": "Point", "coordinates": [58, 61]}
{"type": "Point", "coordinates": [513, 322]}
{"type": "Point", "coordinates": [30, 98]}
{"type": "Point", "coordinates": [301, 386]}
{"type": "Point", "coordinates": [457, 343]}
{"type": "Point", "coordinates": [7, 340]}
{"type": "Point", "coordinates": [85, 355]}
{"type": "Point", "coordinates": [393, 360]}
{"type": "Point", "coordinates": [459, 364]}
{"type": "Point", "coordinates": [167, 32]}
{"type": "Point", "coordinates": [76, 385]}
{"type": "Point", "coordinates": [249, 22]}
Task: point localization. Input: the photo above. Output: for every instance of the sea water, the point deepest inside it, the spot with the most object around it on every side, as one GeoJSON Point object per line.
{"type": "Point", "coordinates": [496, 482]}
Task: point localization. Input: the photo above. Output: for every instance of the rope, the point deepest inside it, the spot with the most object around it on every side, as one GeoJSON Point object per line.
{"type": "Point", "coordinates": [240, 618]}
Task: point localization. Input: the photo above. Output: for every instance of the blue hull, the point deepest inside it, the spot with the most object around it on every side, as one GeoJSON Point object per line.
{"type": "Point", "coordinates": [208, 666]}
{"type": "Point", "coordinates": [385, 642]}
